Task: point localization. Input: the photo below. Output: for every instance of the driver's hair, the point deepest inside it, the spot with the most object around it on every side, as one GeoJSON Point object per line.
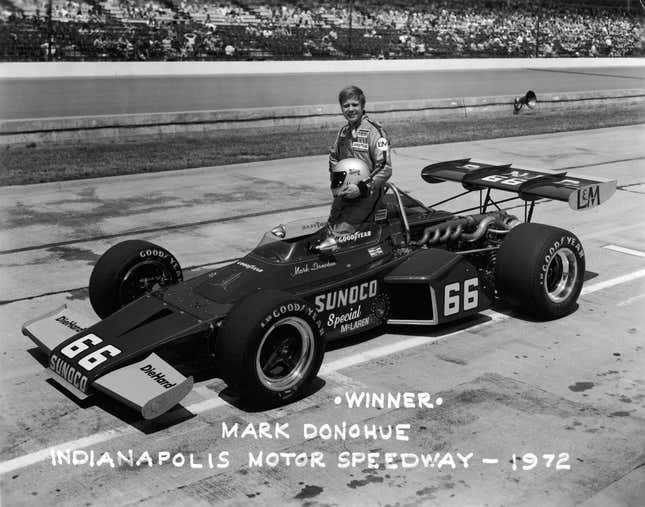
{"type": "Point", "coordinates": [351, 92]}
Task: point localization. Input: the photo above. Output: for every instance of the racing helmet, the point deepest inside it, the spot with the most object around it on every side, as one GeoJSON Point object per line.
{"type": "Point", "coordinates": [346, 172]}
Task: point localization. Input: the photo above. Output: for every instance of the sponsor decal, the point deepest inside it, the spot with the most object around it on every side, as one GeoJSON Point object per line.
{"type": "Point", "coordinates": [157, 376]}
{"type": "Point", "coordinates": [280, 311]}
{"type": "Point", "coordinates": [162, 254]}
{"type": "Point", "coordinates": [68, 372]}
{"type": "Point", "coordinates": [381, 144]}
{"type": "Point", "coordinates": [314, 225]}
{"type": "Point", "coordinates": [347, 296]}
{"type": "Point", "coordinates": [72, 324]}
{"type": "Point", "coordinates": [375, 251]}
{"type": "Point", "coordinates": [354, 313]}
{"type": "Point", "coordinates": [588, 197]}
{"type": "Point", "coordinates": [363, 132]}
{"type": "Point", "coordinates": [564, 242]}
{"type": "Point", "coordinates": [512, 178]}
{"type": "Point", "coordinates": [228, 281]}
{"type": "Point", "coordinates": [346, 238]}
{"type": "Point", "coordinates": [380, 215]}
{"type": "Point", "coordinates": [252, 267]}
{"type": "Point", "coordinates": [357, 324]}
{"type": "Point", "coordinates": [360, 146]}
{"type": "Point", "coordinates": [311, 266]}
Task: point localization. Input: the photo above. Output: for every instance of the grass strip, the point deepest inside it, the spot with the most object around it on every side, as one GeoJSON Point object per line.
{"type": "Point", "coordinates": [46, 163]}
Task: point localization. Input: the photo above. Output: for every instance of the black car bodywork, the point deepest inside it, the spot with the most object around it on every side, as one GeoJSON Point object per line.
{"type": "Point", "coordinates": [265, 317]}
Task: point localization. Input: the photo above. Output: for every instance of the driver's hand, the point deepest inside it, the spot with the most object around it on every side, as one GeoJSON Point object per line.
{"type": "Point", "coordinates": [351, 192]}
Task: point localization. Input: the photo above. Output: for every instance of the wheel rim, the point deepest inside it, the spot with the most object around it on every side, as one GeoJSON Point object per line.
{"type": "Point", "coordinates": [561, 275]}
{"type": "Point", "coordinates": [285, 354]}
{"type": "Point", "coordinates": [142, 278]}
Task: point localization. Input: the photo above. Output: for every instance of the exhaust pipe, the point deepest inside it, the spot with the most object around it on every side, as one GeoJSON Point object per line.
{"type": "Point", "coordinates": [453, 230]}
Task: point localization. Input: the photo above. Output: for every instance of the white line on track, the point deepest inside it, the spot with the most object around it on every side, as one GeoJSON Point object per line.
{"type": "Point", "coordinates": [628, 251]}
{"type": "Point", "coordinates": [353, 360]}
{"type": "Point", "coordinates": [630, 300]}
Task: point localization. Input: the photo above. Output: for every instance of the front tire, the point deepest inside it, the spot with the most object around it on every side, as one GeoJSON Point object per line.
{"type": "Point", "coordinates": [540, 269]}
{"type": "Point", "coordinates": [270, 346]}
{"type": "Point", "coordinates": [129, 270]}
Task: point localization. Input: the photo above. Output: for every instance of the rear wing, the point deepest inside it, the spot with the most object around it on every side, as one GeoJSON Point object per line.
{"type": "Point", "coordinates": [581, 192]}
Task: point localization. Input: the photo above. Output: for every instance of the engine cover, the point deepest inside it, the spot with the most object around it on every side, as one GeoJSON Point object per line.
{"type": "Point", "coordinates": [432, 287]}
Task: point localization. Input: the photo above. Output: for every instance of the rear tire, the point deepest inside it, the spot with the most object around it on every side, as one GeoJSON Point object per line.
{"type": "Point", "coordinates": [540, 269]}
{"type": "Point", "coordinates": [270, 346]}
{"type": "Point", "coordinates": [129, 270]}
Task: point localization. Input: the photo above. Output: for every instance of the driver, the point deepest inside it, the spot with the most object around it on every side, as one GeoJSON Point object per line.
{"type": "Point", "coordinates": [359, 164]}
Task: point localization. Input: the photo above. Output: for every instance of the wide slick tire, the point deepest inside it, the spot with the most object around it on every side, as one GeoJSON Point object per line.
{"type": "Point", "coordinates": [270, 347]}
{"type": "Point", "coordinates": [129, 270]}
{"type": "Point", "coordinates": [540, 269]}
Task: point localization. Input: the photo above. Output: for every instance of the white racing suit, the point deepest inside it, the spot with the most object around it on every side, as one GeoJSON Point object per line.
{"type": "Point", "coordinates": [369, 143]}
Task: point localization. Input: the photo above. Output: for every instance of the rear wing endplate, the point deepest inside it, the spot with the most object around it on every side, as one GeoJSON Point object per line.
{"type": "Point", "coordinates": [581, 192]}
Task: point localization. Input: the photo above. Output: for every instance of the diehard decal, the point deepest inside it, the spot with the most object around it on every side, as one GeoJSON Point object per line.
{"type": "Point", "coordinates": [347, 296]}
{"type": "Point", "coordinates": [157, 376]}
{"type": "Point", "coordinates": [71, 324]}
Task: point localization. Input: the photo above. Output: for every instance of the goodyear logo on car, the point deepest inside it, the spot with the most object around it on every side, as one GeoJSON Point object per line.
{"type": "Point", "coordinates": [354, 237]}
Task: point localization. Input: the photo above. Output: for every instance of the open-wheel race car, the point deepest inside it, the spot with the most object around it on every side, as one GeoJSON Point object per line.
{"type": "Point", "coordinates": [264, 319]}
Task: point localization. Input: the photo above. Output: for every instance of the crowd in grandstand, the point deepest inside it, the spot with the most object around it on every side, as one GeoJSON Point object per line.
{"type": "Point", "coordinates": [198, 29]}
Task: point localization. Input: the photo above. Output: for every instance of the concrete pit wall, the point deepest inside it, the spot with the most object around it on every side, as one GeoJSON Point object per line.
{"type": "Point", "coordinates": [84, 129]}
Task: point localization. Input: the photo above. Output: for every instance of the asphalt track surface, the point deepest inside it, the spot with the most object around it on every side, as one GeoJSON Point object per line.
{"type": "Point", "coordinates": [64, 97]}
{"type": "Point", "coordinates": [572, 388]}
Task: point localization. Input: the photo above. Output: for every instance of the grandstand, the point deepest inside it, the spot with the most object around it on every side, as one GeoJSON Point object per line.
{"type": "Point", "coordinates": [120, 30]}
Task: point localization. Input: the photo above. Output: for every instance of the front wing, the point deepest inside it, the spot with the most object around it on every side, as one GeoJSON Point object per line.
{"type": "Point", "coordinates": [150, 386]}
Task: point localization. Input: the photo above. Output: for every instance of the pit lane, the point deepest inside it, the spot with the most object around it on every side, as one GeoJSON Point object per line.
{"type": "Point", "coordinates": [510, 385]}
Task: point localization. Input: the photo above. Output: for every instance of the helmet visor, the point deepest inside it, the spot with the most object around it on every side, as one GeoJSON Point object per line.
{"type": "Point", "coordinates": [338, 178]}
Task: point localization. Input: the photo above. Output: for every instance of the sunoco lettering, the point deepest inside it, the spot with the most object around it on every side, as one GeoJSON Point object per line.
{"type": "Point", "coordinates": [157, 376]}
{"type": "Point", "coordinates": [68, 372]}
{"type": "Point", "coordinates": [72, 324]}
{"type": "Point", "coordinates": [343, 297]}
